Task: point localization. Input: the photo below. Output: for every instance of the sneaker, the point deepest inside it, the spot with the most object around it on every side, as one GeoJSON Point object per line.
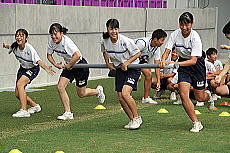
{"type": "Point", "coordinates": [210, 105]}
{"type": "Point", "coordinates": [197, 126]}
{"type": "Point", "coordinates": [66, 116]}
{"type": "Point", "coordinates": [100, 95]}
{"type": "Point", "coordinates": [199, 103]}
{"type": "Point", "coordinates": [148, 100]}
{"type": "Point", "coordinates": [35, 109]}
{"type": "Point", "coordinates": [173, 96]}
{"type": "Point", "coordinates": [178, 102]}
{"type": "Point", "coordinates": [214, 96]}
{"type": "Point", "coordinates": [127, 126]}
{"type": "Point", "coordinates": [136, 123]}
{"type": "Point", "coordinates": [21, 113]}
{"type": "Point", "coordinates": [218, 97]}
{"type": "Point", "coordinates": [159, 93]}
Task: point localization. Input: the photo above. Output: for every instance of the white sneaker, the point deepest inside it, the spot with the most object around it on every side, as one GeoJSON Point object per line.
{"type": "Point", "coordinates": [159, 93]}
{"type": "Point", "coordinates": [101, 95]}
{"type": "Point", "coordinates": [35, 109]}
{"type": "Point", "coordinates": [66, 116]}
{"type": "Point", "coordinates": [127, 126]}
{"type": "Point", "coordinates": [199, 103]}
{"type": "Point", "coordinates": [218, 97]}
{"type": "Point", "coordinates": [214, 96]}
{"type": "Point", "coordinates": [211, 103]}
{"type": "Point", "coordinates": [173, 96]}
{"type": "Point", "coordinates": [178, 102]}
{"type": "Point", "coordinates": [136, 123]}
{"type": "Point", "coordinates": [21, 113]}
{"type": "Point", "coordinates": [197, 126]}
{"type": "Point", "coordinates": [148, 100]}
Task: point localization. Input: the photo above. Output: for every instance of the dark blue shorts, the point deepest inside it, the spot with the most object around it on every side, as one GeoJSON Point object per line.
{"type": "Point", "coordinates": [29, 73]}
{"type": "Point", "coordinates": [194, 74]}
{"type": "Point", "coordinates": [81, 75]}
{"type": "Point", "coordinates": [129, 77]}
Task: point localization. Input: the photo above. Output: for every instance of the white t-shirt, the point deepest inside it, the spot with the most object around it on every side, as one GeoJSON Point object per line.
{"type": "Point", "coordinates": [153, 53]}
{"type": "Point", "coordinates": [66, 48]}
{"type": "Point", "coordinates": [185, 47]}
{"type": "Point", "coordinates": [28, 57]}
{"type": "Point", "coordinates": [218, 64]}
{"type": "Point", "coordinates": [209, 67]}
{"type": "Point", "coordinates": [120, 51]}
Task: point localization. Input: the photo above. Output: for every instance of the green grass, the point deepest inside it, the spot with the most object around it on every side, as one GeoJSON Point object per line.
{"type": "Point", "coordinates": [101, 131]}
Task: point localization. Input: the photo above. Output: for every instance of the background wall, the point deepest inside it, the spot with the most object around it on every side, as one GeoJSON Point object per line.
{"type": "Point", "coordinates": [86, 25]}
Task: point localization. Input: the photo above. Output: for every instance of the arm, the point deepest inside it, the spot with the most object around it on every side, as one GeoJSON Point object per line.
{"type": "Point", "coordinates": [190, 62]}
{"type": "Point", "coordinates": [130, 60]}
{"type": "Point", "coordinates": [106, 57]}
{"type": "Point", "coordinates": [224, 47]}
{"type": "Point", "coordinates": [48, 69]}
{"type": "Point", "coordinates": [224, 71]}
{"type": "Point", "coordinates": [6, 46]}
{"type": "Point", "coordinates": [73, 60]}
{"type": "Point", "coordinates": [52, 61]}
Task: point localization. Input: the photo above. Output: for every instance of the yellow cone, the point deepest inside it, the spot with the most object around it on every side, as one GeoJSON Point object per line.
{"type": "Point", "coordinates": [224, 114]}
{"type": "Point", "coordinates": [162, 110]}
{"type": "Point", "coordinates": [59, 152]}
{"type": "Point", "coordinates": [15, 151]}
{"type": "Point", "coordinates": [197, 112]}
{"type": "Point", "coordinates": [99, 107]}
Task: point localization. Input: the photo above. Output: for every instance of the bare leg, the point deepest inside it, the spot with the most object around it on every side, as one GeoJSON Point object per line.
{"type": "Point", "coordinates": [61, 87]}
{"type": "Point", "coordinates": [29, 100]}
{"type": "Point", "coordinates": [126, 94]}
{"type": "Point", "coordinates": [125, 106]}
{"type": "Point", "coordinates": [84, 92]}
{"type": "Point", "coordinates": [20, 91]}
{"type": "Point", "coordinates": [148, 81]}
{"type": "Point", "coordinates": [184, 89]}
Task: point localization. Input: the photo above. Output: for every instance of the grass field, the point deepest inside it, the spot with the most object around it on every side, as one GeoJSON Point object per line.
{"type": "Point", "coordinates": [101, 131]}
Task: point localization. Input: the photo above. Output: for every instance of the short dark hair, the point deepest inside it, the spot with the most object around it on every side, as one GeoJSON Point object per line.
{"type": "Point", "coordinates": [210, 51]}
{"type": "Point", "coordinates": [186, 18]}
{"type": "Point", "coordinates": [159, 33]}
{"type": "Point", "coordinates": [226, 29]}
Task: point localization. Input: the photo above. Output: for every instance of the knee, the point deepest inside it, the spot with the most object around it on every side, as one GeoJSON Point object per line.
{"type": "Point", "coordinates": [81, 94]}
{"type": "Point", "coordinates": [125, 94]}
{"type": "Point", "coordinates": [60, 88]}
{"type": "Point", "coordinates": [19, 85]}
{"type": "Point", "coordinates": [148, 76]}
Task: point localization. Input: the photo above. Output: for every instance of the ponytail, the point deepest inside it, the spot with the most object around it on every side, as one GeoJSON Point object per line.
{"type": "Point", "coordinates": [105, 35]}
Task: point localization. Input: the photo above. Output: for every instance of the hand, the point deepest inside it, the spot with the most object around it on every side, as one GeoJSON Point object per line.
{"type": "Point", "coordinates": [158, 87]}
{"type": "Point", "coordinates": [214, 84]}
{"type": "Point", "coordinates": [224, 47]}
{"type": "Point", "coordinates": [161, 64]}
{"type": "Point", "coordinates": [59, 65]}
{"type": "Point", "coordinates": [5, 46]}
{"type": "Point", "coordinates": [210, 75]}
{"type": "Point", "coordinates": [49, 70]}
{"type": "Point", "coordinates": [67, 67]}
{"type": "Point", "coordinates": [218, 79]}
{"type": "Point", "coordinates": [111, 66]}
{"type": "Point", "coordinates": [124, 66]}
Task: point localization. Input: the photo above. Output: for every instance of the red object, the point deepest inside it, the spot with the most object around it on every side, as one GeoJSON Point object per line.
{"type": "Point", "coordinates": [224, 103]}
